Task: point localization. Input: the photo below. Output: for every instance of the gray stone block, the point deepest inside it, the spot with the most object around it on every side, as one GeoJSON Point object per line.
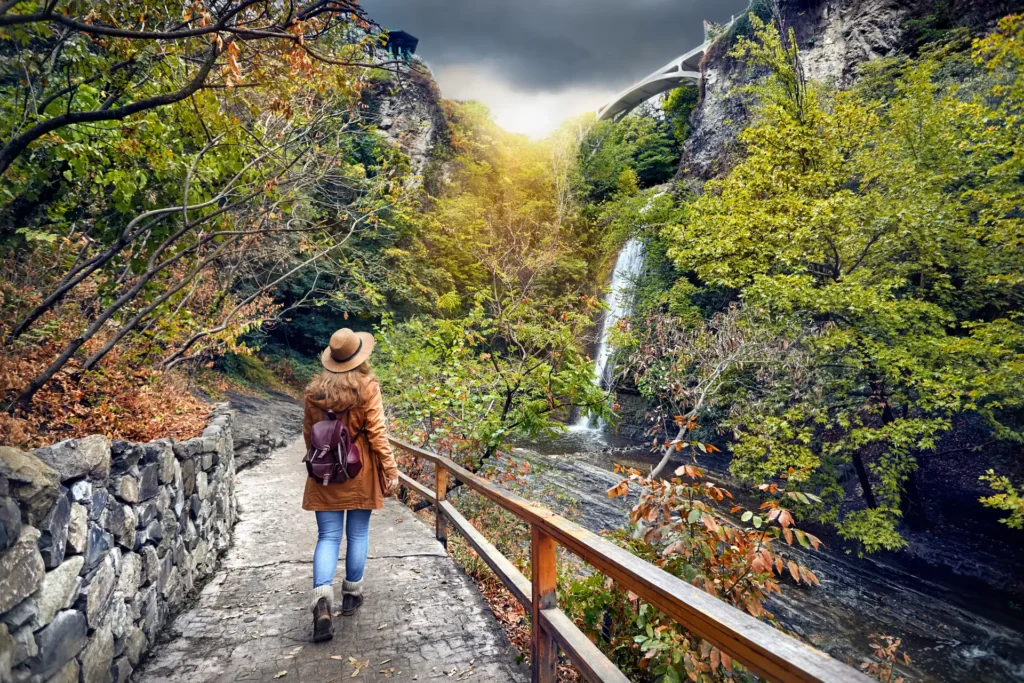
{"type": "Point", "coordinates": [202, 485]}
{"type": "Point", "coordinates": [67, 674]}
{"type": "Point", "coordinates": [99, 503]}
{"type": "Point", "coordinates": [21, 569]}
{"type": "Point", "coordinates": [32, 483]}
{"type": "Point", "coordinates": [59, 589]}
{"type": "Point", "coordinates": [145, 514]}
{"type": "Point", "coordinates": [120, 521]}
{"type": "Point", "coordinates": [59, 642]}
{"type": "Point", "coordinates": [98, 593]}
{"type": "Point", "coordinates": [135, 645]}
{"type": "Point", "coordinates": [118, 617]}
{"type": "Point", "coordinates": [188, 475]}
{"type": "Point", "coordinates": [121, 671]}
{"type": "Point", "coordinates": [131, 574]}
{"type": "Point", "coordinates": [96, 549]}
{"type": "Point", "coordinates": [149, 482]}
{"type": "Point", "coordinates": [77, 458]}
{"type": "Point", "coordinates": [150, 565]}
{"type": "Point", "coordinates": [81, 492]}
{"type": "Point", "coordinates": [25, 612]}
{"type": "Point", "coordinates": [188, 449]}
{"type": "Point", "coordinates": [163, 456]}
{"type": "Point", "coordinates": [24, 645]}
{"type": "Point", "coordinates": [78, 530]}
{"type": "Point", "coordinates": [53, 529]}
{"type": "Point", "coordinates": [7, 650]}
{"type": "Point", "coordinates": [126, 487]}
{"type": "Point", "coordinates": [124, 456]}
{"type": "Point", "coordinates": [98, 657]}
{"type": "Point", "coordinates": [10, 523]}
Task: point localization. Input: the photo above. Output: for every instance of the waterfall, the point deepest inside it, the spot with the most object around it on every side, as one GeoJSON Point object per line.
{"type": "Point", "coordinates": [627, 269]}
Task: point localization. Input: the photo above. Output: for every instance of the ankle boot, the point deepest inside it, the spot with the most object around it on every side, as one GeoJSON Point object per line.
{"type": "Point", "coordinates": [352, 597]}
{"type": "Point", "coordinates": [323, 603]}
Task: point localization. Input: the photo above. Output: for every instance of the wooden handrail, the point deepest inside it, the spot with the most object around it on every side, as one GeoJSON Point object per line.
{"type": "Point", "coordinates": [764, 650]}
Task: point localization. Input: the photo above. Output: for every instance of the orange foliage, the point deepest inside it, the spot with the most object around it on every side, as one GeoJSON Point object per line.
{"type": "Point", "coordinates": [123, 399]}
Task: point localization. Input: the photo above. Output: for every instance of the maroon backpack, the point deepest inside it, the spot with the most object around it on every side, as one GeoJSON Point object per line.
{"type": "Point", "coordinates": [333, 457]}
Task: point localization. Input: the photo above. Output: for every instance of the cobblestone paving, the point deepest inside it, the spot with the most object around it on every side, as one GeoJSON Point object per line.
{"type": "Point", "coordinates": [422, 619]}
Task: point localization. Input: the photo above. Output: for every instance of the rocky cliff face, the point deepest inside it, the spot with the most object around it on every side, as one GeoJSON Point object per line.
{"type": "Point", "coordinates": [409, 113]}
{"type": "Point", "coordinates": [835, 36]}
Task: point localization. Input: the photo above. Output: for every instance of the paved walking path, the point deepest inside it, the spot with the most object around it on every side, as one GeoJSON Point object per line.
{"type": "Point", "coordinates": [422, 618]}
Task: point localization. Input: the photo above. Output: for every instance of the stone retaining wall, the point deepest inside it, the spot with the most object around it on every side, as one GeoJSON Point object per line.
{"type": "Point", "coordinates": [100, 542]}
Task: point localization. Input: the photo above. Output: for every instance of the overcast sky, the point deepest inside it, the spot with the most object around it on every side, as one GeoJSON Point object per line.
{"type": "Point", "coordinates": [537, 62]}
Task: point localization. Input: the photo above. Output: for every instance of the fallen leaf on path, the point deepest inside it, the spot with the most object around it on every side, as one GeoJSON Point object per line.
{"type": "Point", "coordinates": [382, 627]}
{"type": "Point", "coordinates": [359, 665]}
{"type": "Point", "coordinates": [338, 657]}
{"type": "Point", "coordinates": [281, 674]}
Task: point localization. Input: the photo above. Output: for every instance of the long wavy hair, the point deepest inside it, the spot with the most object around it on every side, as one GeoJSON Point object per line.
{"type": "Point", "coordinates": [340, 390]}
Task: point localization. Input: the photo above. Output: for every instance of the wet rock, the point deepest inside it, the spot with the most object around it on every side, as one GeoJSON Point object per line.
{"type": "Point", "coordinates": [97, 658]}
{"type": "Point", "coordinates": [54, 532]}
{"type": "Point", "coordinates": [59, 642]}
{"type": "Point", "coordinates": [78, 530]}
{"type": "Point", "coordinates": [194, 505]}
{"type": "Point", "coordinates": [76, 458]}
{"type": "Point", "coordinates": [32, 483]}
{"type": "Point", "coordinates": [24, 645]}
{"type": "Point", "coordinates": [96, 549]}
{"type": "Point", "coordinates": [21, 569]}
{"type": "Point", "coordinates": [99, 503]}
{"type": "Point", "coordinates": [124, 456]}
{"type": "Point", "coordinates": [98, 593]}
{"type": "Point", "coordinates": [10, 523]}
{"type": "Point", "coordinates": [127, 488]}
{"type": "Point", "coordinates": [149, 482]}
{"type": "Point", "coordinates": [59, 589]}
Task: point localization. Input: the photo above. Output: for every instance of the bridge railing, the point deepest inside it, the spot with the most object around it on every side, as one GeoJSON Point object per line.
{"type": "Point", "coordinates": [764, 650]}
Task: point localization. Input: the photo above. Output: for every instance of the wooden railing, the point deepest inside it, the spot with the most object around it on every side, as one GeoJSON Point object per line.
{"type": "Point", "coordinates": [764, 650]}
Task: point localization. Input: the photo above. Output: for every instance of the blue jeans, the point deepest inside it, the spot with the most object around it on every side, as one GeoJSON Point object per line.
{"type": "Point", "coordinates": [325, 557]}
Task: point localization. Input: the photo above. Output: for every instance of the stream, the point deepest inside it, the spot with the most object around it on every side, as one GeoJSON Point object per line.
{"type": "Point", "coordinates": [952, 632]}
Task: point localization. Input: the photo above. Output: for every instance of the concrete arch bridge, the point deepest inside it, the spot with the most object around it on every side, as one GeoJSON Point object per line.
{"type": "Point", "coordinates": [682, 69]}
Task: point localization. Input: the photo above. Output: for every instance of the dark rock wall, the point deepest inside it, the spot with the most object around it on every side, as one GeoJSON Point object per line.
{"type": "Point", "coordinates": [834, 36]}
{"type": "Point", "coordinates": [101, 542]}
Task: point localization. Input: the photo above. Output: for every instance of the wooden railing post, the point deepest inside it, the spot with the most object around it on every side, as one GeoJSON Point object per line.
{"type": "Point", "coordinates": [440, 525]}
{"type": "Point", "coordinates": [544, 648]}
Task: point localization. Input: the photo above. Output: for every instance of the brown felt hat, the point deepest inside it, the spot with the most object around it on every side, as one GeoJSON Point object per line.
{"type": "Point", "coordinates": [347, 350]}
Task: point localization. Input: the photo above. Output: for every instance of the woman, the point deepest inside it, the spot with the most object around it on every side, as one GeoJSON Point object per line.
{"type": "Point", "coordinates": [346, 384]}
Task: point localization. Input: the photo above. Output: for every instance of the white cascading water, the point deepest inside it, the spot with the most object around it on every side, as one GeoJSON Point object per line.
{"type": "Point", "coordinates": [627, 269]}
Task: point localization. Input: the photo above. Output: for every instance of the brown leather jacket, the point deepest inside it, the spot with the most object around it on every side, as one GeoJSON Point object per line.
{"type": "Point", "coordinates": [364, 492]}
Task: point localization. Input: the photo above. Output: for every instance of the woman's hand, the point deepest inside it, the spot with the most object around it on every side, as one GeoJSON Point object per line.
{"type": "Point", "coordinates": [392, 486]}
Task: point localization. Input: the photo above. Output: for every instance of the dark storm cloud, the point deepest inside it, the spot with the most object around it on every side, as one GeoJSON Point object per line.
{"type": "Point", "coordinates": [553, 44]}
